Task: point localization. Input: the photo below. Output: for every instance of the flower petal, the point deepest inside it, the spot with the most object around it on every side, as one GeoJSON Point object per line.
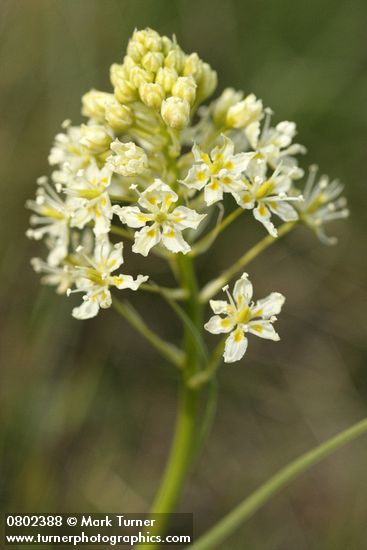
{"type": "Point", "coordinates": [269, 306]}
{"type": "Point", "coordinates": [173, 240]}
{"type": "Point", "coordinates": [183, 217]}
{"type": "Point", "coordinates": [264, 329]}
{"type": "Point", "coordinates": [283, 209]}
{"type": "Point", "coordinates": [127, 281]}
{"type": "Point", "coordinates": [262, 214]}
{"type": "Point", "coordinates": [197, 176]}
{"type": "Point", "coordinates": [243, 290]}
{"type": "Point", "coordinates": [87, 310]}
{"type": "Point", "coordinates": [235, 347]}
{"type": "Point", "coordinates": [213, 192]}
{"type": "Point", "coordinates": [219, 306]}
{"type": "Point", "coordinates": [146, 238]}
{"type": "Point", "coordinates": [131, 215]}
{"type": "Point", "coordinates": [218, 325]}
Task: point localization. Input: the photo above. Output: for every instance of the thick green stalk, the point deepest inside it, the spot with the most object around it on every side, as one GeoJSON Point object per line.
{"type": "Point", "coordinates": [186, 429]}
{"type": "Point", "coordinates": [232, 521]}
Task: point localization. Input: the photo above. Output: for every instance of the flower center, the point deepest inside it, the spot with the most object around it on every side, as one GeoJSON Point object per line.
{"type": "Point", "coordinates": [161, 217]}
{"type": "Point", "coordinates": [264, 189]}
{"type": "Point", "coordinates": [243, 315]}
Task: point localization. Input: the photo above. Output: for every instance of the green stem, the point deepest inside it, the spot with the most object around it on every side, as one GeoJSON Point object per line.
{"type": "Point", "coordinates": [214, 286]}
{"type": "Point", "coordinates": [168, 350]}
{"type": "Point", "coordinates": [186, 429]}
{"type": "Point", "coordinates": [232, 521]}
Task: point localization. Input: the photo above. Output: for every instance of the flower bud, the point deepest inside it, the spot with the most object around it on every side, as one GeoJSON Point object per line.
{"type": "Point", "coordinates": [228, 98]}
{"type": "Point", "coordinates": [136, 50]}
{"type": "Point", "coordinates": [152, 94]}
{"type": "Point", "coordinates": [128, 160]}
{"type": "Point", "coordinates": [166, 78]}
{"type": "Point", "coordinates": [193, 66]}
{"type": "Point", "coordinates": [118, 116]}
{"type": "Point", "coordinates": [208, 81]}
{"type": "Point", "coordinates": [176, 112]}
{"type": "Point", "coordinates": [125, 92]}
{"type": "Point", "coordinates": [245, 112]}
{"type": "Point", "coordinates": [139, 76]}
{"type": "Point", "coordinates": [94, 104]}
{"type": "Point", "coordinates": [152, 61]}
{"type": "Point", "coordinates": [185, 88]}
{"type": "Point", "coordinates": [95, 138]}
{"type": "Point", "coordinates": [175, 59]}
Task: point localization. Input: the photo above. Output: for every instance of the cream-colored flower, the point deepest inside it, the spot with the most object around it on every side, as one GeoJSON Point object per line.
{"type": "Point", "coordinates": [96, 278]}
{"type": "Point", "coordinates": [51, 220]}
{"type": "Point", "coordinates": [128, 159]}
{"type": "Point", "coordinates": [95, 138]}
{"type": "Point", "coordinates": [67, 150]}
{"type": "Point", "coordinates": [267, 195]}
{"type": "Point", "coordinates": [275, 144]}
{"type": "Point", "coordinates": [88, 192]}
{"type": "Point", "coordinates": [160, 220]}
{"type": "Point", "coordinates": [218, 172]}
{"type": "Point", "coordinates": [322, 204]}
{"type": "Point", "coordinates": [241, 316]}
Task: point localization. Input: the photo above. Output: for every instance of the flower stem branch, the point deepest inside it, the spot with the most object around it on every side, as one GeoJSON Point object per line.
{"type": "Point", "coordinates": [203, 244]}
{"type": "Point", "coordinates": [214, 286]}
{"type": "Point", "coordinates": [214, 537]}
{"type": "Point", "coordinates": [166, 349]}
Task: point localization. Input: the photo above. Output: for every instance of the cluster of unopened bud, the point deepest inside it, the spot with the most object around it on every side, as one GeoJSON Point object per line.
{"type": "Point", "coordinates": [158, 73]}
{"type": "Point", "coordinates": [230, 110]}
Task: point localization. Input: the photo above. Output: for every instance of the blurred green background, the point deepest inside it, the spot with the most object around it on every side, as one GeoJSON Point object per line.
{"type": "Point", "coordinates": [88, 408]}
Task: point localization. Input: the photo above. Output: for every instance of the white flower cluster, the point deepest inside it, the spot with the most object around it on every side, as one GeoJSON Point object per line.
{"type": "Point", "coordinates": [140, 167]}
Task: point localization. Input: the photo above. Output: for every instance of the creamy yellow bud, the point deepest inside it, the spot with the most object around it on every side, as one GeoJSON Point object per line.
{"type": "Point", "coordinates": [118, 116]}
{"type": "Point", "coordinates": [152, 94]}
{"type": "Point", "coordinates": [175, 59]}
{"type": "Point", "coordinates": [139, 76]}
{"type": "Point", "coordinates": [228, 98]}
{"type": "Point", "coordinates": [116, 73]}
{"type": "Point", "coordinates": [185, 88]}
{"type": "Point", "coordinates": [208, 81]}
{"type": "Point", "coordinates": [166, 78]}
{"type": "Point", "coordinates": [152, 61]}
{"type": "Point", "coordinates": [94, 104]}
{"type": "Point", "coordinates": [193, 66]}
{"type": "Point", "coordinates": [167, 45]}
{"type": "Point", "coordinates": [245, 112]}
{"type": "Point", "coordinates": [128, 159]}
{"type": "Point", "coordinates": [128, 64]}
{"type": "Point", "coordinates": [176, 112]}
{"type": "Point", "coordinates": [136, 50]}
{"type": "Point", "coordinates": [149, 38]}
{"type": "Point", "coordinates": [95, 139]}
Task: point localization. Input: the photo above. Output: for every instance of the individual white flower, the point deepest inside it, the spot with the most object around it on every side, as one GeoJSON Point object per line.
{"type": "Point", "coordinates": [52, 220]}
{"type": "Point", "coordinates": [266, 195]}
{"type": "Point", "coordinates": [88, 191]}
{"type": "Point", "coordinates": [241, 316]}
{"type": "Point", "coordinates": [96, 278]}
{"type": "Point", "coordinates": [67, 150]}
{"type": "Point", "coordinates": [128, 159]}
{"type": "Point", "coordinates": [218, 172]}
{"type": "Point", "coordinates": [160, 220]}
{"type": "Point", "coordinates": [322, 204]}
{"type": "Point", "coordinates": [275, 144]}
